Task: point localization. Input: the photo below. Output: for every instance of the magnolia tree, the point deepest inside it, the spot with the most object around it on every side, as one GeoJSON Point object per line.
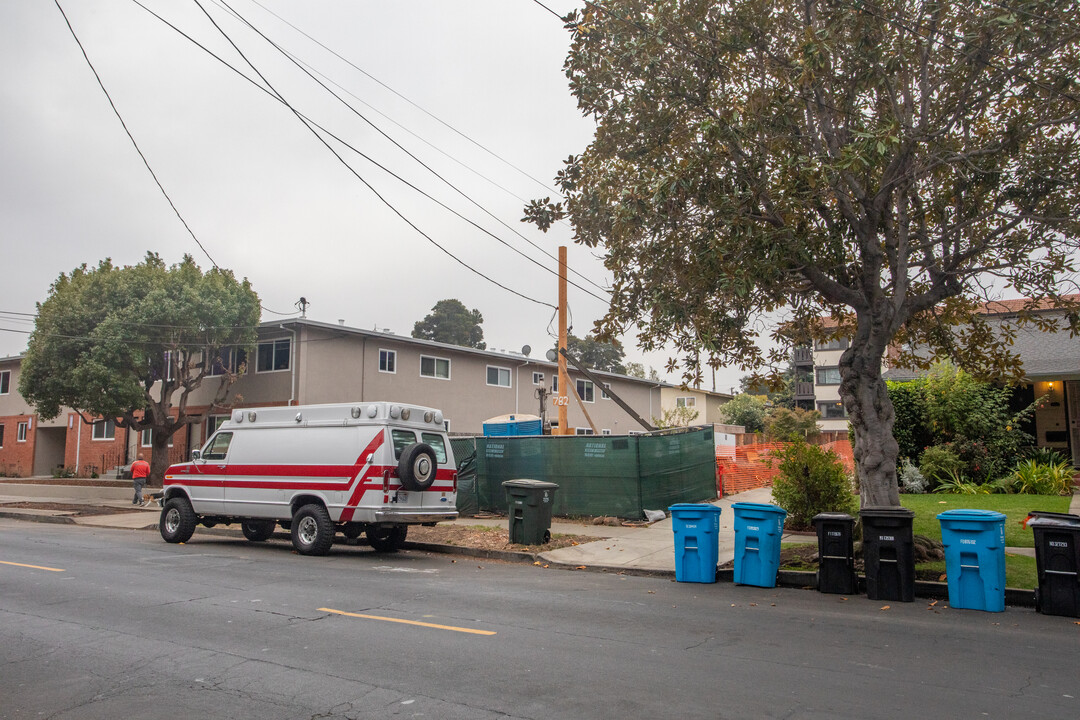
{"type": "Point", "coordinates": [132, 343]}
{"type": "Point", "coordinates": [861, 168]}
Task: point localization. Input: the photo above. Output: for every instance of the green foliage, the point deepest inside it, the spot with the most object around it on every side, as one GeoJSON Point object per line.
{"type": "Point", "coordinates": [938, 463]}
{"type": "Point", "coordinates": [746, 410]}
{"type": "Point", "coordinates": [779, 389]}
{"type": "Point", "coordinates": [789, 425]}
{"type": "Point", "coordinates": [1015, 508]}
{"type": "Point", "coordinates": [810, 160]}
{"type": "Point", "coordinates": [811, 481]}
{"type": "Point", "coordinates": [635, 369]}
{"type": "Point", "coordinates": [1047, 456]}
{"type": "Point", "coordinates": [911, 479]}
{"type": "Point", "coordinates": [1035, 478]}
{"type": "Point", "coordinates": [133, 342]}
{"type": "Point", "coordinates": [955, 482]}
{"type": "Point", "coordinates": [596, 354]}
{"type": "Point", "coordinates": [63, 472]}
{"type": "Point", "coordinates": [452, 323]}
{"type": "Point", "coordinates": [677, 417]}
{"type": "Point", "coordinates": [911, 428]}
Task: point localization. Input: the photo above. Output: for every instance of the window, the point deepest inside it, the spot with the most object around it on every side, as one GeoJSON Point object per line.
{"type": "Point", "coordinates": [20, 435]}
{"type": "Point", "coordinates": [5, 382]}
{"type": "Point", "coordinates": [105, 430]}
{"type": "Point", "coordinates": [498, 376]}
{"type": "Point", "coordinates": [163, 371]}
{"type": "Point", "coordinates": [603, 393]}
{"type": "Point", "coordinates": [218, 447]}
{"type": "Point", "coordinates": [387, 361]}
{"type": "Point", "coordinates": [831, 409]}
{"type": "Point", "coordinates": [274, 356]}
{"type": "Point", "coordinates": [686, 402]}
{"type": "Point", "coordinates": [555, 383]}
{"type": "Point", "coordinates": [605, 431]}
{"type": "Point", "coordinates": [213, 423]}
{"type": "Point", "coordinates": [1, 435]}
{"type": "Point", "coordinates": [583, 431]}
{"type": "Point", "coordinates": [402, 439]}
{"type": "Point", "coordinates": [840, 344]}
{"type": "Point", "coordinates": [229, 360]}
{"type": "Point", "coordinates": [585, 390]}
{"type": "Point", "coordinates": [434, 367]}
{"type": "Point", "coordinates": [438, 444]}
{"type": "Point", "coordinates": [828, 376]}
{"type": "Point", "coordinates": [146, 438]}
{"type": "Point", "coordinates": [538, 378]}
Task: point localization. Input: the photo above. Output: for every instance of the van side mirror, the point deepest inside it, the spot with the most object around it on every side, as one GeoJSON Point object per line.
{"type": "Point", "coordinates": [195, 455]}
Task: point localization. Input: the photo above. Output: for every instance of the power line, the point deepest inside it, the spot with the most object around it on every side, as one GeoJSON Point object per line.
{"type": "Point", "coordinates": [357, 175]}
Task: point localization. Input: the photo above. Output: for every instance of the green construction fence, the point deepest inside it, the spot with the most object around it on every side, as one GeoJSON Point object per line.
{"type": "Point", "coordinates": [597, 475]}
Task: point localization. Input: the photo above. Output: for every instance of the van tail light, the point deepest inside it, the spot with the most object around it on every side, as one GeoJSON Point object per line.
{"type": "Point", "coordinates": [386, 481]}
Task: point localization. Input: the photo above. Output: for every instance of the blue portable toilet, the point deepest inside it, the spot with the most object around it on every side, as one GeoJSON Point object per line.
{"type": "Point", "coordinates": [758, 529]}
{"type": "Point", "coordinates": [513, 425]}
{"type": "Point", "coordinates": [974, 543]}
{"type": "Point", "coordinates": [697, 541]}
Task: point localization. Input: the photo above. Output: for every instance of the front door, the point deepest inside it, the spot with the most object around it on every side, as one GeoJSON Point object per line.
{"type": "Point", "coordinates": [1072, 408]}
{"type": "Point", "coordinates": [207, 479]}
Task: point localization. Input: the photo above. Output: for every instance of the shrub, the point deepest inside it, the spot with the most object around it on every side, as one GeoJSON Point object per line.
{"type": "Point", "coordinates": [938, 461]}
{"type": "Point", "coordinates": [911, 480]}
{"type": "Point", "coordinates": [955, 482]}
{"type": "Point", "coordinates": [1047, 456]}
{"type": "Point", "coordinates": [911, 428]}
{"type": "Point", "coordinates": [746, 410]}
{"type": "Point", "coordinates": [1035, 478]}
{"type": "Point", "coordinates": [787, 425]}
{"type": "Point", "coordinates": [63, 472]}
{"type": "Point", "coordinates": [811, 481]}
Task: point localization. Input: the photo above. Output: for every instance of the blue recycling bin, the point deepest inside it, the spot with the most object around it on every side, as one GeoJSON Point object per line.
{"type": "Point", "coordinates": [758, 529]}
{"type": "Point", "coordinates": [697, 541]}
{"type": "Point", "coordinates": [974, 543]}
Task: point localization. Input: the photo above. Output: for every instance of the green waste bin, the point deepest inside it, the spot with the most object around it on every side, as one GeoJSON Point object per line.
{"type": "Point", "coordinates": [529, 505]}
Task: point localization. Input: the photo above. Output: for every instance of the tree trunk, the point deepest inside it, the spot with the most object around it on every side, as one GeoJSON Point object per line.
{"type": "Point", "coordinates": [866, 398]}
{"type": "Point", "coordinates": [159, 459]}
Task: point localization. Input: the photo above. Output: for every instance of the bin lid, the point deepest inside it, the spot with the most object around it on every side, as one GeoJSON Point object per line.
{"type": "Point", "coordinates": [530, 484]}
{"type": "Point", "coordinates": [1049, 519]}
{"type": "Point", "coordinates": [975, 515]}
{"type": "Point", "coordinates": [832, 517]}
{"type": "Point", "coordinates": [886, 511]}
{"type": "Point", "coordinates": [693, 507]}
{"type": "Point", "coordinates": [759, 507]}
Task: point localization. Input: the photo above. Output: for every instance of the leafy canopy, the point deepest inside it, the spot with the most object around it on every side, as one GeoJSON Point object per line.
{"type": "Point", "coordinates": [597, 354]}
{"type": "Point", "coordinates": [452, 323]}
{"type": "Point", "coordinates": [876, 161]}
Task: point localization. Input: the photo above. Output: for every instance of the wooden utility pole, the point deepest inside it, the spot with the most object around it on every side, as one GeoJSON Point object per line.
{"type": "Point", "coordinates": [562, 399]}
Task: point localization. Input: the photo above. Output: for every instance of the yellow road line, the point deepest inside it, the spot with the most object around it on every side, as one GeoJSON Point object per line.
{"type": "Point", "coordinates": [36, 567]}
{"type": "Point", "coordinates": [407, 622]}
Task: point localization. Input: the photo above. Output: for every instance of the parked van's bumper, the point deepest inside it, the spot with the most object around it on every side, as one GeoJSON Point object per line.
{"type": "Point", "coordinates": [414, 516]}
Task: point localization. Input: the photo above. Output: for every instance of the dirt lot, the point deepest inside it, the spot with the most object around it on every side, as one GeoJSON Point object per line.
{"type": "Point", "coordinates": [483, 537]}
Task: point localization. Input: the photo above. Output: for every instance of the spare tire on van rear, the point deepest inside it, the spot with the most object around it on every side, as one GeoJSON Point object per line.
{"type": "Point", "coordinates": [417, 466]}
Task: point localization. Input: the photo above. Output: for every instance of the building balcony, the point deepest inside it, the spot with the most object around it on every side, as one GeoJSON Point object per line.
{"type": "Point", "coordinates": [804, 391]}
{"type": "Point", "coordinates": [802, 356]}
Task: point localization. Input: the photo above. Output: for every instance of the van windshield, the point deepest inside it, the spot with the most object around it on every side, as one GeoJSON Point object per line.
{"type": "Point", "coordinates": [217, 447]}
{"type": "Point", "coordinates": [402, 440]}
{"type": "Point", "coordinates": [437, 444]}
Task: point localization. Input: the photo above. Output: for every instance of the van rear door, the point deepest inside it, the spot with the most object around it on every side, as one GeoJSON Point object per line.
{"type": "Point", "coordinates": [441, 494]}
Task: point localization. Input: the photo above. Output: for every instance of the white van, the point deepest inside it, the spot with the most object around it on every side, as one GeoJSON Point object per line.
{"type": "Point", "coordinates": [372, 468]}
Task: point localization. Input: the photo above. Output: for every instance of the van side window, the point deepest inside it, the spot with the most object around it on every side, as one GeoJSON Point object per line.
{"type": "Point", "coordinates": [402, 439]}
{"type": "Point", "coordinates": [437, 444]}
{"type": "Point", "coordinates": [217, 447]}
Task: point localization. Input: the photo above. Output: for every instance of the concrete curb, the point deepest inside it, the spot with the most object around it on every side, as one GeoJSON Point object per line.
{"type": "Point", "coordinates": [55, 519]}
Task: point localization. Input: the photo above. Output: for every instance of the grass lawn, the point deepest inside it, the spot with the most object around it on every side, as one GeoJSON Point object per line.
{"type": "Point", "coordinates": [1015, 507]}
{"type": "Point", "coordinates": [1020, 570]}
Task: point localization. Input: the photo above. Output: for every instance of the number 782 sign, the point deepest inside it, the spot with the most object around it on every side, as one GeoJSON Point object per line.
{"type": "Point", "coordinates": [560, 400]}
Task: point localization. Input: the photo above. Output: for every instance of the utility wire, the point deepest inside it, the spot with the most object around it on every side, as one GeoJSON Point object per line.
{"type": "Point", "coordinates": [130, 136]}
{"type": "Point", "coordinates": [357, 175]}
{"type": "Point", "coordinates": [421, 163]}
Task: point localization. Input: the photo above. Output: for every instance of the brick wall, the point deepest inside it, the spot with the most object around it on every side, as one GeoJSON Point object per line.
{"type": "Point", "coordinates": [17, 458]}
{"type": "Point", "coordinates": [86, 455]}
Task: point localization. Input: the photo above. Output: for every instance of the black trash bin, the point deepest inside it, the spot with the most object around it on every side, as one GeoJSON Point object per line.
{"type": "Point", "coordinates": [889, 553]}
{"type": "Point", "coordinates": [836, 553]}
{"type": "Point", "coordinates": [1057, 558]}
{"type": "Point", "coordinates": [529, 507]}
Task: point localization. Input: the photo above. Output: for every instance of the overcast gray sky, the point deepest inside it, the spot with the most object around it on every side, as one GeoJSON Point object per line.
{"type": "Point", "coordinates": [261, 193]}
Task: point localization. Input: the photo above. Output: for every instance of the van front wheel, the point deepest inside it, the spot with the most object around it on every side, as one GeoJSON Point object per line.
{"type": "Point", "coordinates": [312, 530]}
{"type": "Point", "coordinates": [178, 520]}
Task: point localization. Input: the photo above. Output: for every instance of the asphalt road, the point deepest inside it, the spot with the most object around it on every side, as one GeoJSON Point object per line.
{"type": "Point", "coordinates": [124, 625]}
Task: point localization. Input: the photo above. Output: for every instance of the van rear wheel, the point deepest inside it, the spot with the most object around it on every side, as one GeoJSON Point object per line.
{"type": "Point", "coordinates": [177, 523]}
{"type": "Point", "coordinates": [312, 530]}
{"type": "Point", "coordinates": [387, 539]}
{"type": "Point", "coordinates": [258, 530]}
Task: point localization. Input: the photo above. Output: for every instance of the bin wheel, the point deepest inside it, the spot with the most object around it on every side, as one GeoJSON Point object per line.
{"type": "Point", "coordinates": [387, 539]}
{"type": "Point", "coordinates": [547, 537]}
{"type": "Point", "coordinates": [1038, 601]}
{"type": "Point", "coordinates": [417, 466]}
{"type": "Point", "coordinates": [258, 530]}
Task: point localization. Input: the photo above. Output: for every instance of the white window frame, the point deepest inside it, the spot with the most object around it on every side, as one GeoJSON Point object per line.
{"type": "Point", "coordinates": [538, 378]}
{"type": "Point", "coordinates": [583, 431]}
{"type": "Point", "coordinates": [500, 370]}
{"type": "Point", "coordinates": [146, 438]}
{"type": "Point", "coordinates": [826, 369]}
{"type": "Point", "coordinates": [603, 393]}
{"type": "Point", "coordinates": [273, 355]}
{"type": "Point", "coordinates": [231, 361]}
{"type": "Point", "coordinates": [388, 358]}
{"type": "Point", "coordinates": [687, 401]}
{"type": "Point", "coordinates": [605, 431]}
{"type": "Point", "coordinates": [106, 424]}
{"type": "Point", "coordinates": [590, 390]}
{"type": "Point", "coordinates": [5, 382]}
{"type": "Point", "coordinates": [22, 431]}
{"type": "Point", "coordinates": [435, 359]}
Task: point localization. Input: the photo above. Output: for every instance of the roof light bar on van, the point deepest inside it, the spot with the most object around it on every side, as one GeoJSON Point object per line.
{"type": "Point", "coordinates": [405, 413]}
{"type": "Point", "coordinates": [395, 411]}
{"type": "Point", "coordinates": [251, 416]}
{"type": "Point", "coordinates": [355, 412]}
{"type": "Point", "coordinates": [429, 416]}
{"type": "Point", "coordinates": [372, 411]}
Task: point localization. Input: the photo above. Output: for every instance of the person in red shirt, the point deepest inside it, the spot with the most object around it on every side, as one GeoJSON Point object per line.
{"type": "Point", "coordinates": [140, 472]}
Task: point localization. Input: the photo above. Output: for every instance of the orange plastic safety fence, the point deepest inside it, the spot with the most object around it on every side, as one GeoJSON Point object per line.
{"type": "Point", "coordinates": [747, 467]}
